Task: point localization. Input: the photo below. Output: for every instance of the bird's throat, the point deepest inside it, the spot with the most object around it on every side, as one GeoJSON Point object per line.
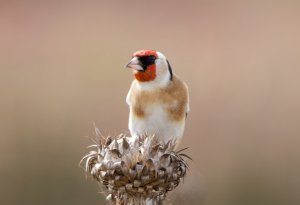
{"type": "Point", "coordinates": [148, 75]}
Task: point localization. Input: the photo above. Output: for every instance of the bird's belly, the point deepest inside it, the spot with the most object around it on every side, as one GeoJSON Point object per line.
{"type": "Point", "coordinates": [156, 122]}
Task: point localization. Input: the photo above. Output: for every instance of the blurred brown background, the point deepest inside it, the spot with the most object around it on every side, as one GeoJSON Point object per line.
{"type": "Point", "coordinates": [61, 69]}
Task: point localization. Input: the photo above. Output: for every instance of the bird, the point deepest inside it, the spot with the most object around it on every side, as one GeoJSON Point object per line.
{"type": "Point", "coordinates": [158, 99]}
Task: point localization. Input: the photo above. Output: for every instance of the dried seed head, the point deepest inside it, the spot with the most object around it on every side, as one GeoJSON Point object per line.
{"type": "Point", "coordinates": [137, 172]}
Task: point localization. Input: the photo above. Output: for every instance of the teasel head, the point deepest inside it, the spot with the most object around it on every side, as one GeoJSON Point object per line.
{"type": "Point", "coordinates": [135, 172]}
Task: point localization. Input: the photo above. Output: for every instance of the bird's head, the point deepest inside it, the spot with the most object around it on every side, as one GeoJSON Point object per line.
{"type": "Point", "coordinates": [150, 66]}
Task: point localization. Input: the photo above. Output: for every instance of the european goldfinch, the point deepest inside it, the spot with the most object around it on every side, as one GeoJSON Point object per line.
{"type": "Point", "coordinates": [158, 99]}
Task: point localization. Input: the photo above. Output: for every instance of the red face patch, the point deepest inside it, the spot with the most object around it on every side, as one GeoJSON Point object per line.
{"type": "Point", "coordinates": [147, 75]}
{"type": "Point", "coordinates": [142, 53]}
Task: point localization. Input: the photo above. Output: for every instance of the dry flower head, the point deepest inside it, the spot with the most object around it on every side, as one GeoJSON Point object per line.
{"type": "Point", "coordinates": [135, 172]}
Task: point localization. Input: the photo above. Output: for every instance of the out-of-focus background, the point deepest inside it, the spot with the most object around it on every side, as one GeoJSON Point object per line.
{"type": "Point", "coordinates": [61, 70]}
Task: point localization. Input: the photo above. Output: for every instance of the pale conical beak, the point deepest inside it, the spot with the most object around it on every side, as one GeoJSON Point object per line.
{"type": "Point", "coordinates": [134, 64]}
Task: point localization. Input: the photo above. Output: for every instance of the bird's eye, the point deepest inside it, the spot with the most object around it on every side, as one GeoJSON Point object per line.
{"type": "Point", "coordinates": [147, 60]}
{"type": "Point", "coordinates": [152, 57]}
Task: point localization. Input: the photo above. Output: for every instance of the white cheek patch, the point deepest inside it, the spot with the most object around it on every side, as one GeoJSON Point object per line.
{"type": "Point", "coordinates": [158, 62]}
{"type": "Point", "coordinates": [160, 55]}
